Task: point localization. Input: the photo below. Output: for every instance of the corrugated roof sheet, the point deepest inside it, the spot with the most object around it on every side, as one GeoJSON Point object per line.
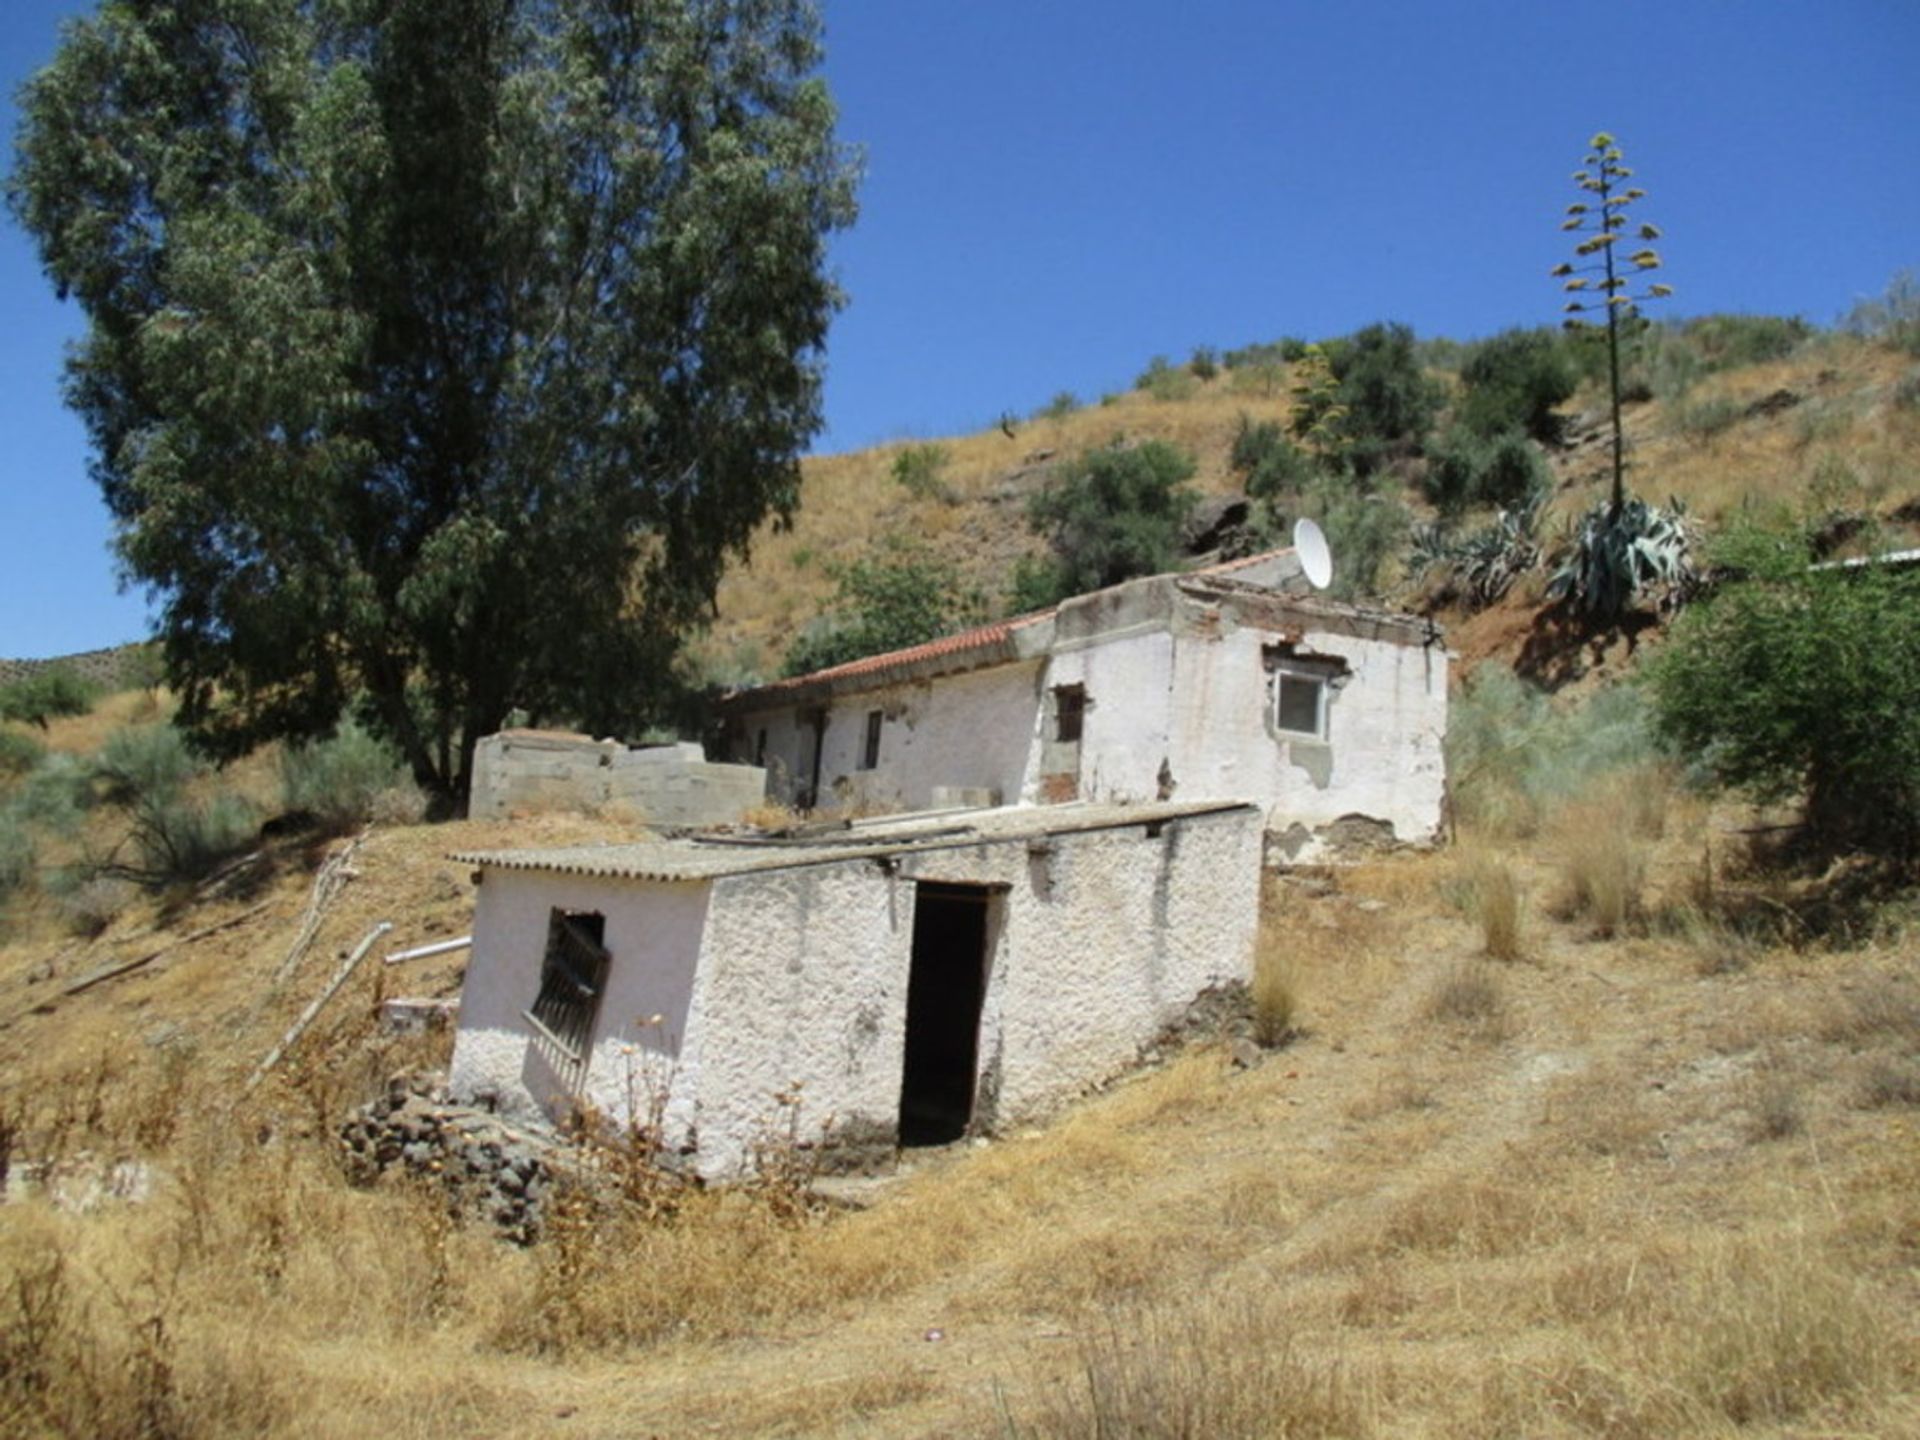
{"type": "Point", "coordinates": [697, 859]}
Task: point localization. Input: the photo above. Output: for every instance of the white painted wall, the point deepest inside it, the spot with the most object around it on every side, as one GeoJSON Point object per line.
{"type": "Point", "coordinates": [653, 933]}
{"type": "Point", "coordinates": [801, 978]}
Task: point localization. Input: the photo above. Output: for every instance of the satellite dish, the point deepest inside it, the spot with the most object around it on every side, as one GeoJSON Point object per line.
{"type": "Point", "coordinates": [1316, 560]}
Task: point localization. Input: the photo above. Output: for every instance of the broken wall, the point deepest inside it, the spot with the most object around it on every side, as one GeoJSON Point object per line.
{"type": "Point", "coordinates": [670, 785]}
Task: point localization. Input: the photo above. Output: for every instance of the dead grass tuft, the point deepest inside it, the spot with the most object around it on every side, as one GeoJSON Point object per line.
{"type": "Point", "coordinates": [1276, 985]}
{"type": "Point", "coordinates": [1490, 893]}
{"type": "Point", "coordinates": [1476, 1218]}
{"type": "Point", "coordinates": [1468, 996]}
{"type": "Point", "coordinates": [1227, 1366]}
{"type": "Point", "coordinates": [1603, 867]}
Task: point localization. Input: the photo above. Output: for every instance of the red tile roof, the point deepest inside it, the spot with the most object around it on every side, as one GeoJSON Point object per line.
{"type": "Point", "coordinates": [984, 643]}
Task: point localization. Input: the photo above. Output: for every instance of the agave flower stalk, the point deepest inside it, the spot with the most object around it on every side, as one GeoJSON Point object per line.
{"type": "Point", "coordinates": [1604, 277]}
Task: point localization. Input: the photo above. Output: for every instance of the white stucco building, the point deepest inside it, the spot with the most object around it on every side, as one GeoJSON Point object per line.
{"type": "Point", "coordinates": [1236, 682]}
{"type": "Point", "coordinates": [917, 979]}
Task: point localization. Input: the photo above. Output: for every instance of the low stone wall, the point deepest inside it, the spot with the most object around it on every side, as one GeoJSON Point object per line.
{"type": "Point", "coordinates": [668, 785]}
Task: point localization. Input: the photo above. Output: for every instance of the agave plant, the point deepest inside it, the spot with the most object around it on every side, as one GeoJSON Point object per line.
{"type": "Point", "coordinates": [1485, 562]}
{"type": "Point", "coordinates": [1622, 550]}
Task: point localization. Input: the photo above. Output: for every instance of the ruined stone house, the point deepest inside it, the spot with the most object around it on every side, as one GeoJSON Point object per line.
{"type": "Point", "coordinates": [902, 981]}
{"type": "Point", "coordinates": [1233, 683]}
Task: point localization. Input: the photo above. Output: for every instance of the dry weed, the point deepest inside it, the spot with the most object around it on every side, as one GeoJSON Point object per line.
{"type": "Point", "coordinates": [1227, 1366]}
{"type": "Point", "coordinates": [1604, 869]}
{"type": "Point", "coordinates": [1276, 985]}
{"type": "Point", "coordinates": [1468, 997]}
{"type": "Point", "coordinates": [1477, 1218]}
{"type": "Point", "coordinates": [1490, 894]}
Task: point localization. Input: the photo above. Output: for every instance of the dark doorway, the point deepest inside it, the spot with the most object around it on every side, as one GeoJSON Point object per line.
{"type": "Point", "coordinates": [946, 982]}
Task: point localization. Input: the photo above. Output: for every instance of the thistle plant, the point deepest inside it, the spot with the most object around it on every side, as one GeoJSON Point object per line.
{"type": "Point", "coordinates": [1604, 279]}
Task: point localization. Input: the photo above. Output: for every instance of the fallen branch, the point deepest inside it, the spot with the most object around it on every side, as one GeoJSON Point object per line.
{"type": "Point", "coordinates": [120, 967]}
{"type": "Point", "coordinates": [308, 1015]}
{"type": "Point", "coordinates": [331, 880]}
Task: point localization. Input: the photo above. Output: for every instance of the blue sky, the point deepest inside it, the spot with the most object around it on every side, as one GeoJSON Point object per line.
{"type": "Point", "coordinates": [1059, 189]}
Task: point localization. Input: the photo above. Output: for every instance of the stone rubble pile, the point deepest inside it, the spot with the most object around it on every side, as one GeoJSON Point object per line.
{"type": "Point", "coordinates": [502, 1173]}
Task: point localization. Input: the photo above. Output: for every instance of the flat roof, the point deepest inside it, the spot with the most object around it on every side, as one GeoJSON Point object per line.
{"type": "Point", "coordinates": [707, 857]}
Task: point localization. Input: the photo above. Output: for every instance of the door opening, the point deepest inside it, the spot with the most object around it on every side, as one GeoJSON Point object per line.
{"type": "Point", "coordinates": [946, 983]}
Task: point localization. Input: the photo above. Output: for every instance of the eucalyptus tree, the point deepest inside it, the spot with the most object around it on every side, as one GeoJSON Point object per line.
{"type": "Point", "coordinates": [439, 353]}
{"type": "Point", "coordinates": [1605, 277]}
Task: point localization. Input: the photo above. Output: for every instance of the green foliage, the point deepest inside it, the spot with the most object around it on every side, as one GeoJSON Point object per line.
{"type": "Point", "coordinates": [1060, 406]}
{"type": "Point", "coordinates": [1390, 402]}
{"type": "Point", "coordinates": [342, 780]}
{"type": "Point", "coordinates": [1617, 555]}
{"type": "Point", "coordinates": [1317, 419]}
{"type": "Point", "coordinates": [180, 823]}
{"type": "Point", "coordinates": [917, 469]}
{"type": "Point", "coordinates": [903, 595]}
{"type": "Point", "coordinates": [1109, 515]}
{"type": "Point", "coordinates": [1270, 465]}
{"type": "Point", "coordinates": [1204, 363]}
{"type": "Point", "coordinates": [1484, 563]}
{"type": "Point", "coordinates": [1704, 420]}
{"type": "Point", "coordinates": [1514, 381]}
{"type": "Point", "coordinates": [1791, 681]}
{"type": "Point", "coordinates": [1466, 469]}
{"type": "Point", "coordinates": [19, 753]}
{"type": "Point", "coordinates": [1726, 342]}
{"type": "Point", "coordinates": [440, 359]}
{"type": "Point", "coordinates": [1165, 381]}
{"type": "Point", "coordinates": [1284, 351]}
{"type": "Point", "coordinates": [1511, 755]}
{"type": "Point", "coordinates": [1893, 317]}
{"type": "Point", "coordinates": [48, 692]}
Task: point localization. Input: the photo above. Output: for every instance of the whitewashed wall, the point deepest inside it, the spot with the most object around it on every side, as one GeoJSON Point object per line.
{"type": "Point", "coordinates": [1381, 759]}
{"type": "Point", "coordinates": [654, 932]}
{"type": "Point", "coordinates": [1100, 939]}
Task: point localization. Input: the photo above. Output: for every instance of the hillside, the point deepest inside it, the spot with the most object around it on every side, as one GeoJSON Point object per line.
{"type": "Point", "coordinates": [1834, 423]}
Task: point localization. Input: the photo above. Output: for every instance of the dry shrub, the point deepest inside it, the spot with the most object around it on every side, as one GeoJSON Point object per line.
{"type": "Point", "coordinates": [1890, 1082]}
{"type": "Point", "coordinates": [1775, 1101]}
{"type": "Point", "coordinates": [1276, 990]}
{"type": "Point", "coordinates": [1880, 1008]}
{"type": "Point", "coordinates": [1490, 895]}
{"type": "Point", "coordinates": [1604, 1113]}
{"type": "Point", "coordinates": [1224, 1367]}
{"type": "Point", "coordinates": [1603, 867]}
{"type": "Point", "coordinates": [1468, 997]}
{"type": "Point", "coordinates": [1401, 1090]}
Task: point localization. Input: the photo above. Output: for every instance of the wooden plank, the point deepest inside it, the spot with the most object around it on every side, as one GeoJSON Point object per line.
{"type": "Point", "coordinates": [115, 968]}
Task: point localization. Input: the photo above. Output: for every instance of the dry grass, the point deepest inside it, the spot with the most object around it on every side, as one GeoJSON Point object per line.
{"type": "Point", "coordinates": [1276, 984]}
{"type": "Point", "coordinates": [1468, 997]}
{"type": "Point", "coordinates": [1489, 891]}
{"type": "Point", "coordinates": [1603, 867]}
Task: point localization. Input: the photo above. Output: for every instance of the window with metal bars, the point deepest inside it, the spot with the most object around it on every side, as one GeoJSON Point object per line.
{"type": "Point", "coordinates": [573, 976]}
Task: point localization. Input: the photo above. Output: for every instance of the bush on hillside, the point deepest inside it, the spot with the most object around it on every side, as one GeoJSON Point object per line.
{"type": "Point", "coordinates": [51, 691]}
{"type": "Point", "coordinates": [901, 595]}
{"type": "Point", "coordinates": [344, 780]}
{"type": "Point", "coordinates": [19, 752]}
{"type": "Point", "coordinates": [1364, 532]}
{"type": "Point", "coordinates": [1893, 317]}
{"type": "Point", "coordinates": [1390, 401]}
{"type": "Point", "coordinates": [1503, 471]}
{"type": "Point", "coordinates": [1796, 682]}
{"type": "Point", "coordinates": [1109, 515]}
{"type": "Point", "coordinates": [917, 469]}
{"type": "Point", "coordinates": [1515, 381]}
{"type": "Point", "coordinates": [1165, 381]}
{"type": "Point", "coordinates": [1269, 464]}
{"type": "Point", "coordinates": [1204, 363]}
{"type": "Point", "coordinates": [179, 823]}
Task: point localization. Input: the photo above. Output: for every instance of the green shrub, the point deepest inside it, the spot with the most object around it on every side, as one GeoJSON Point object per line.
{"type": "Point", "coordinates": [1062, 405]}
{"type": "Point", "coordinates": [1513, 382]}
{"type": "Point", "coordinates": [1163, 381]}
{"type": "Point", "coordinates": [1466, 469]}
{"type": "Point", "coordinates": [1204, 363]}
{"type": "Point", "coordinates": [49, 691]}
{"type": "Point", "coordinates": [54, 794]}
{"type": "Point", "coordinates": [1796, 681]}
{"type": "Point", "coordinates": [1390, 401]}
{"type": "Point", "coordinates": [1283, 351]}
{"type": "Point", "coordinates": [1269, 464]}
{"type": "Point", "coordinates": [179, 824]}
{"type": "Point", "coordinates": [19, 752]}
{"type": "Point", "coordinates": [902, 595]}
{"type": "Point", "coordinates": [1725, 342]}
{"type": "Point", "coordinates": [1112, 514]}
{"type": "Point", "coordinates": [17, 854]}
{"type": "Point", "coordinates": [917, 468]}
{"type": "Point", "coordinates": [341, 781]}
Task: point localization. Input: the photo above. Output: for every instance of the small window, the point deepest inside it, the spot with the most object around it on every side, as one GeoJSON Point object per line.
{"type": "Point", "coordinates": [760, 747]}
{"type": "Point", "coordinates": [1299, 703]}
{"type": "Point", "coordinates": [573, 976]}
{"type": "Point", "coordinates": [870, 752]}
{"type": "Point", "coordinates": [1069, 712]}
